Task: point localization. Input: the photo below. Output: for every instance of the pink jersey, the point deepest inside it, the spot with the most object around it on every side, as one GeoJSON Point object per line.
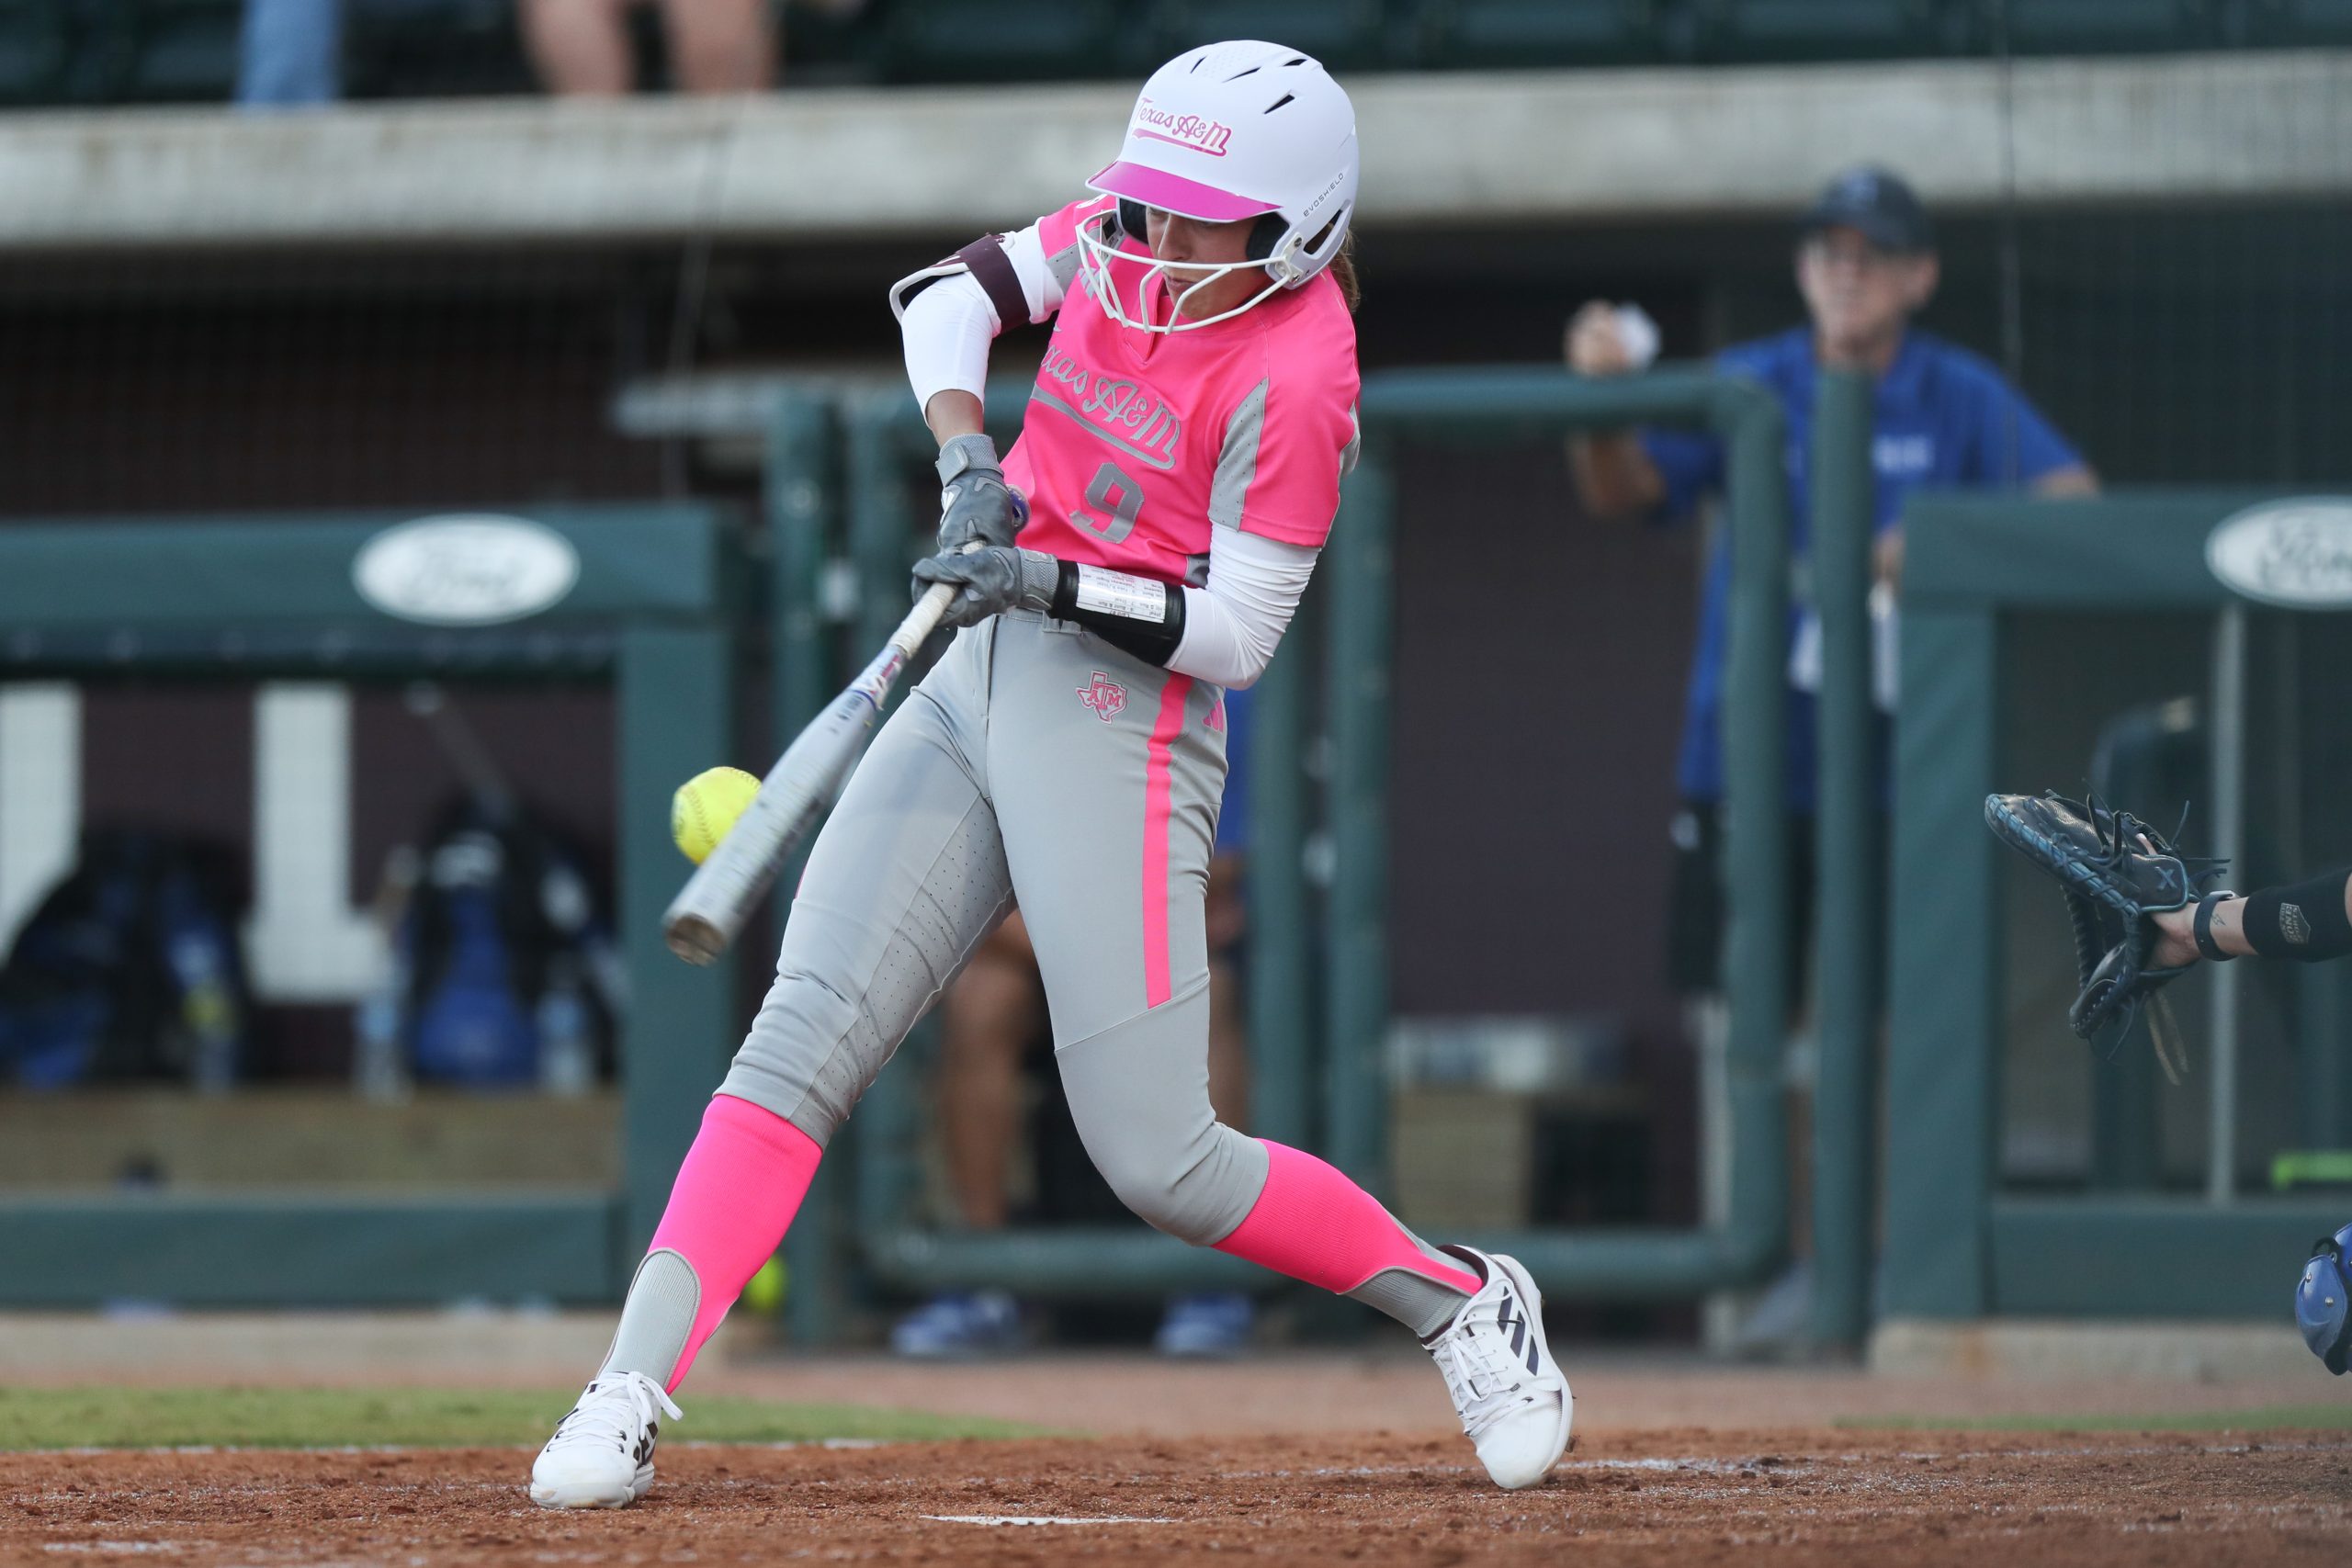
{"type": "Point", "coordinates": [1136, 445]}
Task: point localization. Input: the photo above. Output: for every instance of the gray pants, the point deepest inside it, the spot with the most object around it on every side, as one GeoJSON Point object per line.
{"type": "Point", "coordinates": [1035, 765]}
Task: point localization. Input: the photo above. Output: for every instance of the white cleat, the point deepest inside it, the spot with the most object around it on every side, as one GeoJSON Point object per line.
{"type": "Point", "coordinates": [1513, 1402]}
{"type": "Point", "coordinates": [602, 1453]}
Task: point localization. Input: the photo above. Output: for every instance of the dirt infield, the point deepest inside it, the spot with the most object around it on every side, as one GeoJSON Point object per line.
{"type": "Point", "coordinates": [1681, 1497]}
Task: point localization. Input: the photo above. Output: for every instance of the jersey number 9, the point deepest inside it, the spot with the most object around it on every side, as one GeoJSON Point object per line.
{"type": "Point", "coordinates": [1117, 494]}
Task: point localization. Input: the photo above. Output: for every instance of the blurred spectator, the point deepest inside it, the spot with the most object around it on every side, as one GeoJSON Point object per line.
{"type": "Point", "coordinates": [1946, 419]}
{"type": "Point", "coordinates": [582, 47]}
{"type": "Point", "coordinates": [989, 1019]}
{"type": "Point", "coordinates": [290, 51]}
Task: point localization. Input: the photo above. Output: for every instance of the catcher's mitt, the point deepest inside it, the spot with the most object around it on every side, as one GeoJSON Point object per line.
{"type": "Point", "coordinates": [2116, 870]}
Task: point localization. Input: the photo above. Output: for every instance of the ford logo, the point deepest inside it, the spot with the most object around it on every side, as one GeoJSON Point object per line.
{"type": "Point", "coordinates": [466, 571]}
{"type": "Point", "coordinates": [2293, 553]}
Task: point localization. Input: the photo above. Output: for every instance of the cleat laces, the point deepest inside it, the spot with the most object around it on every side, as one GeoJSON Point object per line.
{"type": "Point", "coordinates": [1485, 1374]}
{"type": "Point", "coordinates": [617, 1412]}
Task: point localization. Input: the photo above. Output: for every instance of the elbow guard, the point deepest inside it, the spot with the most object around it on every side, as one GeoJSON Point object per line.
{"type": "Point", "coordinates": [985, 262]}
{"type": "Point", "coordinates": [1141, 616]}
{"type": "Point", "coordinates": [904, 292]}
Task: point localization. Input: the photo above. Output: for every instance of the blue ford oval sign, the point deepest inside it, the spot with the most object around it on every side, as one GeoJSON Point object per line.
{"type": "Point", "coordinates": [2296, 554]}
{"type": "Point", "coordinates": [466, 571]}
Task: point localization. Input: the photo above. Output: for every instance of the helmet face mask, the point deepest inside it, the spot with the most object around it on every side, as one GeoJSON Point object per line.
{"type": "Point", "coordinates": [1244, 130]}
{"type": "Point", "coordinates": [1101, 251]}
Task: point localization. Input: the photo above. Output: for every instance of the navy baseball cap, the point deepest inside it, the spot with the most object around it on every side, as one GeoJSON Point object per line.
{"type": "Point", "coordinates": [1876, 203]}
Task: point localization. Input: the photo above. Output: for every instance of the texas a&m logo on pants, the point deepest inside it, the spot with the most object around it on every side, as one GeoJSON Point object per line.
{"type": "Point", "coordinates": [1105, 696]}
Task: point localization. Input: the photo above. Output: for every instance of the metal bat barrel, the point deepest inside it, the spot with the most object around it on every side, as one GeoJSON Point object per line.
{"type": "Point", "coordinates": [711, 909]}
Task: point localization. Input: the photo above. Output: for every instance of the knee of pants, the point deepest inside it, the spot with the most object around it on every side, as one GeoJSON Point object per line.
{"type": "Point", "coordinates": [1138, 1093]}
{"type": "Point", "coordinates": [1198, 1192]}
{"type": "Point", "coordinates": [809, 1055]}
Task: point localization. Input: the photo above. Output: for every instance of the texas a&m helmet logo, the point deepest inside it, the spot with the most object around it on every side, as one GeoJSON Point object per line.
{"type": "Point", "coordinates": [1105, 696]}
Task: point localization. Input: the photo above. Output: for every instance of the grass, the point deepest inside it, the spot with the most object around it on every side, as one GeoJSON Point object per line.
{"type": "Point", "coordinates": [103, 1416]}
{"type": "Point", "coordinates": [2267, 1417]}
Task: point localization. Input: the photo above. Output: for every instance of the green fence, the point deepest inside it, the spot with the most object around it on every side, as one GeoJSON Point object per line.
{"type": "Point", "coordinates": [242, 599]}
{"type": "Point", "coordinates": [1959, 1243]}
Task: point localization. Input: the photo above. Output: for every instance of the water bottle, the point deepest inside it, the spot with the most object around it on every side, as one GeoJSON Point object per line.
{"type": "Point", "coordinates": [567, 1055]}
{"type": "Point", "coordinates": [379, 1065]}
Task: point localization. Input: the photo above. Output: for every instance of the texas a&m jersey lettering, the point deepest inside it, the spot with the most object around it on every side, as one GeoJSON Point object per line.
{"type": "Point", "coordinates": [1121, 410]}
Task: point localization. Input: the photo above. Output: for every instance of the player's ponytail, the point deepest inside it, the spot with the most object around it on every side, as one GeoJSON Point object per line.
{"type": "Point", "coordinates": [1342, 268]}
{"type": "Point", "coordinates": [1343, 273]}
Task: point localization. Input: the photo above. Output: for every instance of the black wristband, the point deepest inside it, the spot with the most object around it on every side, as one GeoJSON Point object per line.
{"type": "Point", "coordinates": [2203, 926]}
{"type": "Point", "coordinates": [2305, 922]}
{"type": "Point", "coordinates": [1153, 641]}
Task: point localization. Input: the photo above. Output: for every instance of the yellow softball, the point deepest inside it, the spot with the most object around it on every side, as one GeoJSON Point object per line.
{"type": "Point", "coordinates": [706, 806]}
{"type": "Point", "coordinates": [765, 1290]}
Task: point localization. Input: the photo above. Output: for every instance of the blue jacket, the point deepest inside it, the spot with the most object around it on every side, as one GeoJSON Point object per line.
{"type": "Point", "coordinates": [1947, 419]}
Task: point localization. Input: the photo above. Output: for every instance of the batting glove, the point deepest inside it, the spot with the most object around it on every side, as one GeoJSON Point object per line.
{"type": "Point", "coordinates": [974, 500]}
{"type": "Point", "coordinates": [991, 580]}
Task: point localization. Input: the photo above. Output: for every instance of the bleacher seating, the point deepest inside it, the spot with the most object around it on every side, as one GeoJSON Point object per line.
{"type": "Point", "coordinates": [1732, 30]}
{"type": "Point", "coordinates": [434, 49]}
{"type": "Point", "coordinates": [1346, 35]}
{"type": "Point", "coordinates": [1501, 34]}
{"type": "Point", "coordinates": [2102, 27]}
{"type": "Point", "coordinates": [2291, 24]}
{"type": "Point", "coordinates": [35, 43]}
{"type": "Point", "coordinates": [55, 52]}
{"type": "Point", "coordinates": [1004, 40]}
{"type": "Point", "coordinates": [165, 51]}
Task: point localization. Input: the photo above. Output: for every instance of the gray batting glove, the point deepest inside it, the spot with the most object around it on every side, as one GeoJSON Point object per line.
{"type": "Point", "coordinates": [974, 500]}
{"type": "Point", "coordinates": [991, 580]}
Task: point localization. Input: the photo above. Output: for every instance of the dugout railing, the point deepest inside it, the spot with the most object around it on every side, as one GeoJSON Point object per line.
{"type": "Point", "coordinates": [652, 611]}
{"type": "Point", "coordinates": [848, 490]}
{"type": "Point", "coordinates": [2007, 605]}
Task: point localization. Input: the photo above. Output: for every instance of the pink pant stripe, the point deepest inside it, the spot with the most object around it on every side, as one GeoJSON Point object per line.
{"type": "Point", "coordinates": [1313, 1224]}
{"type": "Point", "coordinates": [735, 1196]}
{"type": "Point", "coordinates": [1156, 807]}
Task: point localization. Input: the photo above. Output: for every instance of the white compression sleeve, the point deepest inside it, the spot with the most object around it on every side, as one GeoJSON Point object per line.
{"type": "Point", "coordinates": [946, 331]}
{"type": "Point", "coordinates": [947, 326]}
{"type": "Point", "coordinates": [1233, 625]}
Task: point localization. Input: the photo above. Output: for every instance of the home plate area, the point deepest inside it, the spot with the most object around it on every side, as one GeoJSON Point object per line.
{"type": "Point", "coordinates": [1674, 1496]}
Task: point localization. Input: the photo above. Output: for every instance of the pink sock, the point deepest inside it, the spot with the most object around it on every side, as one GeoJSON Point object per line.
{"type": "Point", "coordinates": [735, 1196]}
{"type": "Point", "coordinates": [1313, 1224]}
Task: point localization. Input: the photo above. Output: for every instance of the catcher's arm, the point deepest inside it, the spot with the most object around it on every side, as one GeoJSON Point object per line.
{"type": "Point", "coordinates": [2309, 921]}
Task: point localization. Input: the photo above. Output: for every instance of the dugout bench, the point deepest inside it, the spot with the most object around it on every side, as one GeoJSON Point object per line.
{"type": "Point", "coordinates": [651, 611]}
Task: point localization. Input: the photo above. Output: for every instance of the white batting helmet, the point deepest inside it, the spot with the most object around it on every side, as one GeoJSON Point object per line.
{"type": "Point", "coordinates": [1229, 131]}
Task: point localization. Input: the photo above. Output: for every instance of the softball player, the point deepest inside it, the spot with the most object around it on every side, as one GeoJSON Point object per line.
{"type": "Point", "coordinates": [1181, 463]}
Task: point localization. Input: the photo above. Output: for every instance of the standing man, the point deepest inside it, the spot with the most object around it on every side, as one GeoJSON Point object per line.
{"type": "Point", "coordinates": [1946, 419]}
